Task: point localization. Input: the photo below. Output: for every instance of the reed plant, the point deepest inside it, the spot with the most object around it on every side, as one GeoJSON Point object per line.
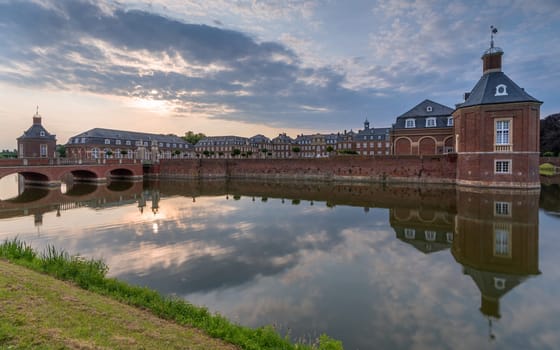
{"type": "Point", "coordinates": [90, 274]}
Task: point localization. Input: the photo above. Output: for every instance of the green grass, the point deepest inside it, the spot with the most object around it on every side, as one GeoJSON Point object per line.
{"type": "Point", "coordinates": [90, 275]}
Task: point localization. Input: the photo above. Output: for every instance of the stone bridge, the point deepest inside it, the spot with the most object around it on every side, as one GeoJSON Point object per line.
{"type": "Point", "coordinates": [50, 172]}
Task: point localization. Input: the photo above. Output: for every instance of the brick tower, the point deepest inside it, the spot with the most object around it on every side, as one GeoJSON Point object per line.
{"type": "Point", "coordinates": [497, 130]}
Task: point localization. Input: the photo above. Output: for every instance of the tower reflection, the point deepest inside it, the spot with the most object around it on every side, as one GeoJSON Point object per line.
{"type": "Point", "coordinates": [496, 241]}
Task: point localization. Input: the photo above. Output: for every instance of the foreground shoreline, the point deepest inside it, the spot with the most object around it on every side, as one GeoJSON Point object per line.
{"type": "Point", "coordinates": [54, 300]}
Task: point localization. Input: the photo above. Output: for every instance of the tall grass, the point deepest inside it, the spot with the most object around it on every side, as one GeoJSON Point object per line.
{"type": "Point", "coordinates": [90, 274]}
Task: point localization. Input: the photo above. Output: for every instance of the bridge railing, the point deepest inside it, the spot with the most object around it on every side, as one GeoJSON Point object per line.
{"type": "Point", "coordinates": [63, 161]}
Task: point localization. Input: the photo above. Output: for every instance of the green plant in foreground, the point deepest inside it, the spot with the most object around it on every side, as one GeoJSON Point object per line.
{"type": "Point", "coordinates": [90, 274]}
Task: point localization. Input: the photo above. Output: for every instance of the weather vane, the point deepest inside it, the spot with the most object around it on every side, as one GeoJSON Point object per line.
{"type": "Point", "coordinates": [493, 30]}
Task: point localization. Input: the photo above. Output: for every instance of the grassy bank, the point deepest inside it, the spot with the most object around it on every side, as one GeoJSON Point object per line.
{"type": "Point", "coordinates": [90, 275]}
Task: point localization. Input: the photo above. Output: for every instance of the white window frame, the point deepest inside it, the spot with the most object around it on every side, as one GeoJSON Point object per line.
{"type": "Point", "coordinates": [41, 133]}
{"type": "Point", "coordinates": [502, 209]}
{"type": "Point", "coordinates": [117, 142]}
{"type": "Point", "coordinates": [95, 153]}
{"type": "Point", "coordinates": [502, 240]}
{"type": "Point", "coordinates": [503, 134]}
{"type": "Point", "coordinates": [107, 141]}
{"type": "Point", "coordinates": [500, 166]}
{"type": "Point", "coordinates": [410, 123]}
{"type": "Point", "coordinates": [43, 150]}
{"type": "Point", "coordinates": [409, 233]}
{"type": "Point", "coordinates": [431, 122]}
{"type": "Point", "coordinates": [449, 121]}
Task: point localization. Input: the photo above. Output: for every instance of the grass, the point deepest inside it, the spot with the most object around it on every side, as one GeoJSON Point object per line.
{"type": "Point", "coordinates": [91, 275]}
{"type": "Point", "coordinates": [547, 169]}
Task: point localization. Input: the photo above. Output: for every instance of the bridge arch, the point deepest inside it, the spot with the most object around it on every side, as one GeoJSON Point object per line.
{"type": "Point", "coordinates": [121, 173]}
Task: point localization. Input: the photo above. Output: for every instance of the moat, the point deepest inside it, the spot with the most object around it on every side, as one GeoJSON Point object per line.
{"type": "Point", "coordinates": [376, 266]}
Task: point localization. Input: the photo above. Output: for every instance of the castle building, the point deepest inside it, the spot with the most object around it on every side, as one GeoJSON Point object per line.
{"type": "Point", "coordinates": [425, 129]}
{"type": "Point", "coordinates": [98, 143]}
{"type": "Point", "coordinates": [372, 141]}
{"type": "Point", "coordinates": [497, 130]}
{"type": "Point", "coordinates": [36, 142]}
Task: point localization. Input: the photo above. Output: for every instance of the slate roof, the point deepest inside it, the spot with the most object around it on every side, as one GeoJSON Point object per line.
{"type": "Point", "coordinates": [34, 132]}
{"type": "Point", "coordinates": [485, 92]}
{"type": "Point", "coordinates": [379, 134]}
{"type": "Point", "coordinates": [421, 112]}
{"type": "Point", "coordinates": [97, 135]}
{"type": "Point", "coordinates": [222, 140]}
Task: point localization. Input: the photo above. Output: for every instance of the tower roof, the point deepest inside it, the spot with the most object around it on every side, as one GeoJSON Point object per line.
{"type": "Point", "coordinates": [496, 87]}
{"type": "Point", "coordinates": [37, 131]}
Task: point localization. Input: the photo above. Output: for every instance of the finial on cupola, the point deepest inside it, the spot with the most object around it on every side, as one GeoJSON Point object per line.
{"type": "Point", "coordinates": [37, 117]}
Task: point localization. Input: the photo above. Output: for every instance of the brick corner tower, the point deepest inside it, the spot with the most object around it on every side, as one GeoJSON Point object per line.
{"type": "Point", "coordinates": [497, 130]}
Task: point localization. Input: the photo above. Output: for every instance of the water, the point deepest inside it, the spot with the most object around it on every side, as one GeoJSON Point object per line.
{"type": "Point", "coordinates": [384, 267]}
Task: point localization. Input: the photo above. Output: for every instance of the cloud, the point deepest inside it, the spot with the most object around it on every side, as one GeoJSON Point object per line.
{"type": "Point", "coordinates": [80, 45]}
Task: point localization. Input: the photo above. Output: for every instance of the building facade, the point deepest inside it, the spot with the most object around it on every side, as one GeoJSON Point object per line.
{"type": "Point", "coordinates": [424, 130]}
{"type": "Point", "coordinates": [36, 142]}
{"type": "Point", "coordinates": [497, 131]}
{"type": "Point", "coordinates": [373, 141]}
{"type": "Point", "coordinates": [98, 144]}
{"type": "Point", "coordinates": [224, 147]}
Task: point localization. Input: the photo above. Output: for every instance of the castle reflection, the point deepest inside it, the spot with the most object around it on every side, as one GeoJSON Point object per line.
{"type": "Point", "coordinates": [493, 235]}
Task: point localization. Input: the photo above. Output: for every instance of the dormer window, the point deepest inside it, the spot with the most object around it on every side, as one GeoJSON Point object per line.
{"type": "Point", "coordinates": [429, 109]}
{"type": "Point", "coordinates": [107, 141]}
{"type": "Point", "coordinates": [430, 122]}
{"type": "Point", "coordinates": [42, 133]}
{"type": "Point", "coordinates": [449, 121]}
{"type": "Point", "coordinates": [501, 90]}
{"type": "Point", "coordinates": [410, 123]}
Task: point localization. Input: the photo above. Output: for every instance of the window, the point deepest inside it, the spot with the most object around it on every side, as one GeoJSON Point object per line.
{"type": "Point", "coordinates": [117, 142]}
{"type": "Point", "coordinates": [502, 240]}
{"type": "Point", "coordinates": [503, 166]}
{"type": "Point", "coordinates": [502, 132]}
{"type": "Point", "coordinates": [449, 121]}
{"type": "Point", "coordinates": [379, 144]}
{"type": "Point", "coordinates": [95, 153]}
{"type": "Point", "coordinates": [430, 235]}
{"type": "Point", "coordinates": [43, 150]}
{"type": "Point", "coordinates": [499, 283]}
{"type": "Point", "coordinates": [502, 209]}
{"type": "Point", "coordinates": [429, 109]}
{"type": "Point", "coordinates": [409, 233]}
{"type": "Point", "coordinates": [501, 90]}
{"type": "Point", "coordinates": [145, 143]}
{"type": "Point", "coordinates": [449, 237]}
{"type": "Point", "coordinates": [430, 122]}
{"type": "Point", "coordinates": [42, 133]}
{"type": "Point", "coordinates": [107, 141]}
{"type": "Point", "coordinates": [83, 140]}
{"type": "Point", "coordinates": [410, 123]}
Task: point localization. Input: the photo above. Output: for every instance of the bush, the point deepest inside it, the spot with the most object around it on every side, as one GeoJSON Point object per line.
{"type": "Point", "coordinates": [548, 154]}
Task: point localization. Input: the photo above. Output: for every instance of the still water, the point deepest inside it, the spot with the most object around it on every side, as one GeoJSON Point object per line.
{"type": "Point", "coordinates": [384, 267]}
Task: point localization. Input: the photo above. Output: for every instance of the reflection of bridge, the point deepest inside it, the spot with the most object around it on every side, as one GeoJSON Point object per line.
{"type": "Point", "coordinates": [37, 201]}
{"type": "Point", "coordinates": [47, 172]}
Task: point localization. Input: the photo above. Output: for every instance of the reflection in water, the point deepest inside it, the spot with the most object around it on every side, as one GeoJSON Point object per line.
{"type": "Point", "coordinates": [303, 257]}
{"type": "Point", "coordinates": [497, 242]}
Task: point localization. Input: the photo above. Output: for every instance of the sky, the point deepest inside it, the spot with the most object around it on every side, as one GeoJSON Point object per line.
{"type": "Point", "coordinates": [237, 67]}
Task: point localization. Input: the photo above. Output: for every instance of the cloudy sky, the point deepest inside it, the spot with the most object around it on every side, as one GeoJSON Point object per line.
{"type": "Point", "coordinates": [247, 67]}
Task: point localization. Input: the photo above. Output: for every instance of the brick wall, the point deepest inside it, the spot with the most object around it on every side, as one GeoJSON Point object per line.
{"type": "Point", "coordinates": [428, 169]}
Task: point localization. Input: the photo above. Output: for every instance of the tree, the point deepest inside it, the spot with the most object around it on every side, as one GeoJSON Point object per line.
{"type": "Point", "coordinates": [330, 149]}
{"type": "Point", "coordinates": [296, 150]}
{"type": "Point", "coordinates": [550, 134]}
{"type": "Point", "coordinates": [193, 138]}
{"type": "Point", "coordinates": [61, 150]}
{"type": "Point", "coordinates": [235, 152]}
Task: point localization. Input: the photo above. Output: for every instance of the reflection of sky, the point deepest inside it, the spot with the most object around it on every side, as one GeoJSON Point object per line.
{"type": "Point", "coordinates": [308, 269]}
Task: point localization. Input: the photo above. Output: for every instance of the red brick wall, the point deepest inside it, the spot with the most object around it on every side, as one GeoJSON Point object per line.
{"type": "Point", "coordinates": [386, 168]}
